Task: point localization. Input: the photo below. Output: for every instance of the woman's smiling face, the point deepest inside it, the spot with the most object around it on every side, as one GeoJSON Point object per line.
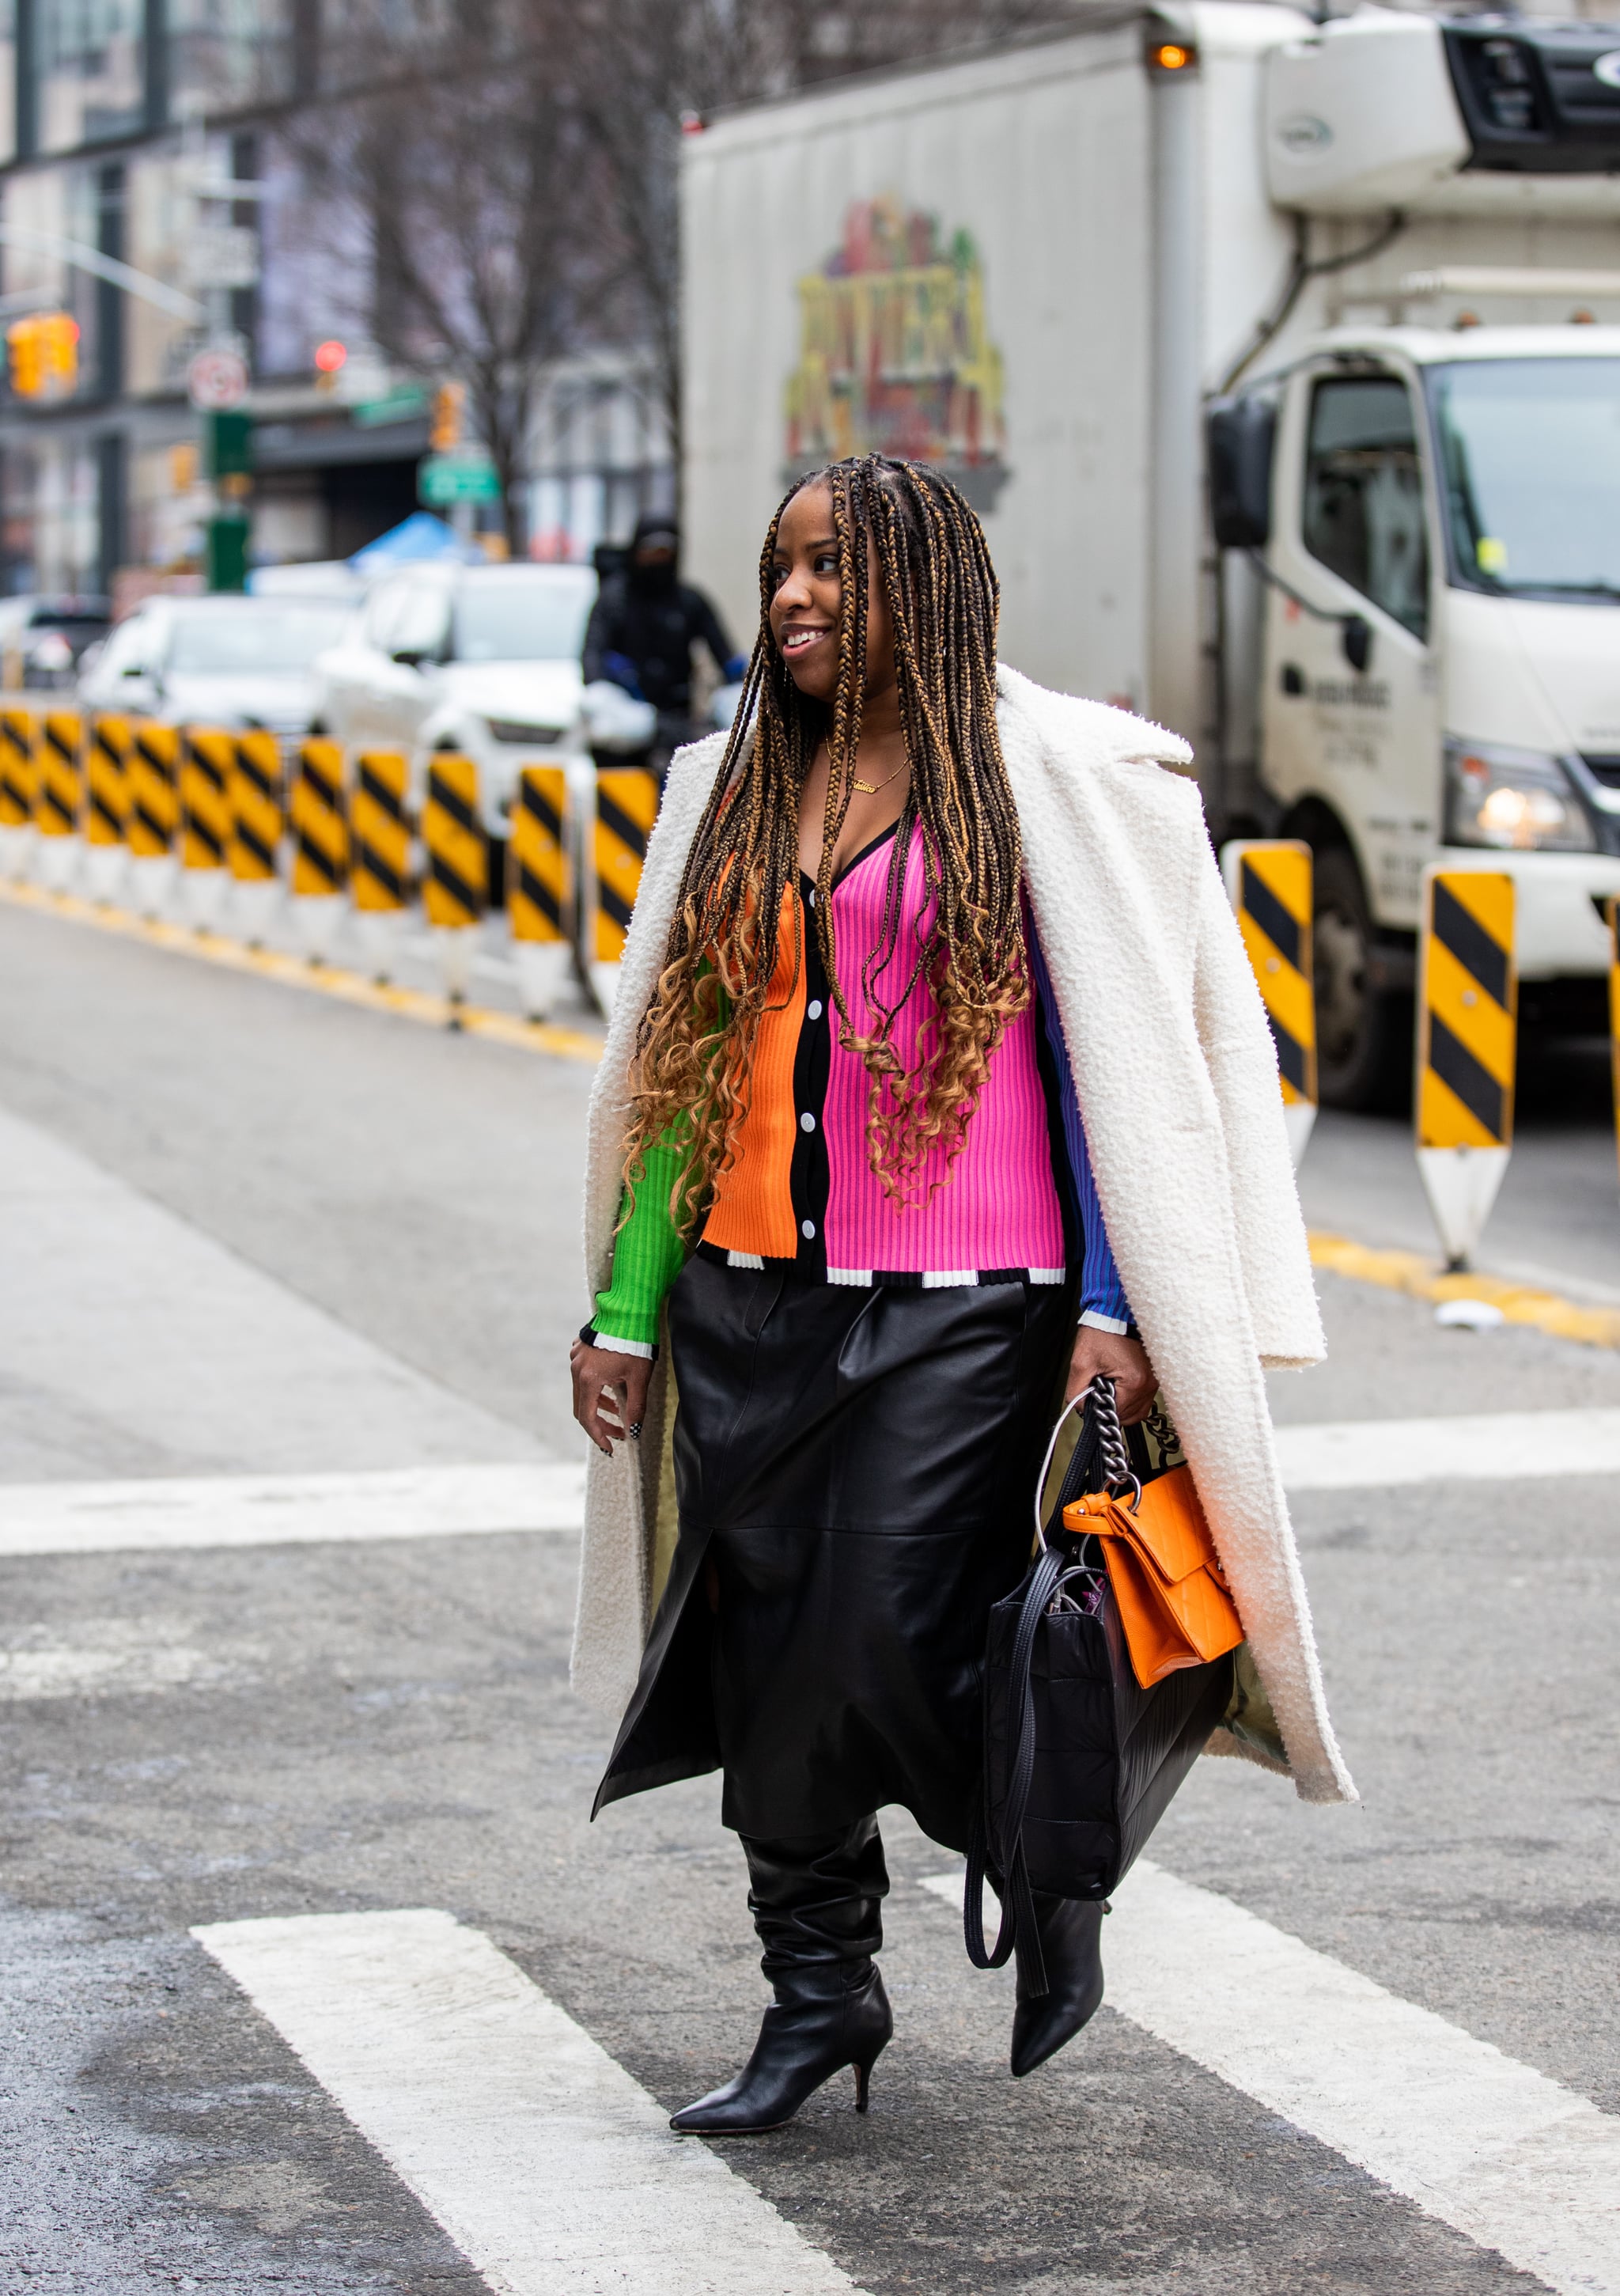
{"type": "Point", "coordinates": [806, 602]}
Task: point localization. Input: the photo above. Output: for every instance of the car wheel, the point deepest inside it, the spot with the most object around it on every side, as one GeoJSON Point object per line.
{"type": "Point", "coordinates": [1364, 1034]}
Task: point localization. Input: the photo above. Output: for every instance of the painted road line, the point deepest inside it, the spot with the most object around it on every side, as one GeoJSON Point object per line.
{"type": "Point", "coordinates": [1500, 1447]}
{"type": "Point", "coordinates": [548, 2166]}
{"type": "Point", "coordinates": [290, 971]}
{"type": "Point", "coordinates": [1514, 2161]}
{"type": "Point", "coordinates": [290, 1510]}
{"type": "Point", "coordinates": [437, 1502]}
{"type": "Point", "coordinates": [1520, 1303]}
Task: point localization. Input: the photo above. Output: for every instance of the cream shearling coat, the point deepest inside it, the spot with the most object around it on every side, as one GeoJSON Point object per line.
{"type": "Point", "coordinates": [1176, 1076]}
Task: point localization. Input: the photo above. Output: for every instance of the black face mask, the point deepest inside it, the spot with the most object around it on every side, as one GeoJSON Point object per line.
{"type": "Point", "coordinates": [652, 581]}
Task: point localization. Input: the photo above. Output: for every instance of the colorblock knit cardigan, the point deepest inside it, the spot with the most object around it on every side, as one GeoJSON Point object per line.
{"type": "Point", "coordinates": [1177, 1080]}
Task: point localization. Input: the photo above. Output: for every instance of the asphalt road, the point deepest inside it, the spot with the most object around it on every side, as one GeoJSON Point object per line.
{"type": "Point", "coordinates": [245, 1230]}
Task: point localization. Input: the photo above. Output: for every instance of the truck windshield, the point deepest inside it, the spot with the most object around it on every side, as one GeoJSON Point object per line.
{"type": "Point", "coordinates": [1530, 456]}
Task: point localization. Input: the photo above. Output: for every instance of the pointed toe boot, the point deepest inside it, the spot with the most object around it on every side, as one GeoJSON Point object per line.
{"type": "Point", "coordinates": [1071, 1946]}
{"type": "Point", "coordinates": [824, 2018]}
{"type": "Point", "coordinates": [817, 1904]}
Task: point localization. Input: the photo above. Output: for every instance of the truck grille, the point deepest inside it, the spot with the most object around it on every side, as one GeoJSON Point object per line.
{"type": "Point", "coordinates": [1602, 768]}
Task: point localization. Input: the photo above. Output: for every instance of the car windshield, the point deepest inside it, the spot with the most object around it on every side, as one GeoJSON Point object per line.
{"type": "Point", "coordinates": [1530, 453]}
{"type": "Point", "coordinates": [523, 613]}
{"type": "Point", "coordinates": [269, 639]}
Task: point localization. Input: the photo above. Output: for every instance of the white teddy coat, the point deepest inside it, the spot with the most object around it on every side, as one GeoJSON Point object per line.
{"type": "Point", "coordinates": [1176, 1076]}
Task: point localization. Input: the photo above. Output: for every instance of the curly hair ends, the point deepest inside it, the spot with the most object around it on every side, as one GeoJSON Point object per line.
{"type": "Point", "coordinates": [696, 1038]}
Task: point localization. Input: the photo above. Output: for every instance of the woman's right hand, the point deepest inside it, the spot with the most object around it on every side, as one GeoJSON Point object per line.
{"type": "Point", "coordinates": [609, 1392]}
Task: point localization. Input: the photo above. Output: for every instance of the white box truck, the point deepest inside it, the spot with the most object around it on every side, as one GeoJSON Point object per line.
{"type": "Point", "coordinates": [1282, 361]}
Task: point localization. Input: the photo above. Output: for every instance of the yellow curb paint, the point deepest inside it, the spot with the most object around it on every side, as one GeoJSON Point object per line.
{"type": "Point", "coordinates": [325, 980]}
{"type": "Point", "coordinates": [1520, 1303]}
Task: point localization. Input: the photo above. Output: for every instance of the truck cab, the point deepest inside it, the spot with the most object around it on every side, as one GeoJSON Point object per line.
{"type": "Point", "coordinates": [1436, 517]}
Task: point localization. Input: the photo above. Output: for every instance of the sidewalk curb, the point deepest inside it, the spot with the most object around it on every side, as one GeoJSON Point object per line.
{"type": "Point", "coordinates": [291, 971]}
{"type": "Point", "coordinates": [1421, 1279]}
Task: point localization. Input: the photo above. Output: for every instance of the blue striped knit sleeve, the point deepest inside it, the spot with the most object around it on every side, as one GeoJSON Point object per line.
{"type": "Point", "coordinates": [1103, 1304]}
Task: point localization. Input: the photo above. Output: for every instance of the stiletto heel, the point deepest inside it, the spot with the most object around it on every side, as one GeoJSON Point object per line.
{"type": "Point", "coordinates": [863, 2074]}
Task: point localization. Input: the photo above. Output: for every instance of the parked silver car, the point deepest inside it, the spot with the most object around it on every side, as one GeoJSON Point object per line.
{"type": "Point", "coordinates": [232, 661]}
{"type": "Point", "coordinates": [484, 659]}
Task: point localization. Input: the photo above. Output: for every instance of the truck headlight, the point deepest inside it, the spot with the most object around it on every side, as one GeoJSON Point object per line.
{"type": "Point", "coordinates": [1513, 799]}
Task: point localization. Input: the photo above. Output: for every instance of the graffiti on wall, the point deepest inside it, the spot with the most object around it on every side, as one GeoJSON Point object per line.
{"type": "Point", "coordinates": [894, 354]}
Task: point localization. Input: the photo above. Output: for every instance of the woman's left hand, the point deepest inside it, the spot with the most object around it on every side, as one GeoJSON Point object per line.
{"type": "Point", "coordinates": [1124, 1361]}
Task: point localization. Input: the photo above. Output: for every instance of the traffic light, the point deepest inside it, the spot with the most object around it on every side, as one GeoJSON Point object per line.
{"type": "Point", "coordinates": [61, 348]}
{"type": "Point", "coordinates": [42, 350]}
{"type": "Point", "coordinates": [449, 401]}
{"type": "Point", "coordinates": [25, 346]}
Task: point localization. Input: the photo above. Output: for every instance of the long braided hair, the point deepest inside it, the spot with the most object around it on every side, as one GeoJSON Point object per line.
{"type": "Point", "coordinates": [696, 1038]}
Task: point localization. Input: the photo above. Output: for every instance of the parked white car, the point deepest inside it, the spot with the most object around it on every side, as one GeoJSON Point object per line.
{"type": "Point", "coordinates": [483, 660]}
{"type": "Point", "coordinates": [242, 663]}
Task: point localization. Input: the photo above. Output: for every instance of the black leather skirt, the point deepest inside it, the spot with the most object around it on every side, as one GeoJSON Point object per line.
{"type": "Point", "coordinates": [855, 1473]}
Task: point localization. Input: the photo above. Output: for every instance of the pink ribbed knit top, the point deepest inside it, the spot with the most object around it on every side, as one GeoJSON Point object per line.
{"type": "Point", "coordinates": [801, 1186]}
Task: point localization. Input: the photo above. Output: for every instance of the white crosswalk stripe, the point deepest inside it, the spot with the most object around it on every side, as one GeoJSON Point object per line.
{"type": "Point", "coordinates": [280, 1510]}
{"type": "Point", "coordinates": [1495, 1446]}
{"type": "Point", "coordinates": [437, 1502]}
{"type": "Point", "coordinates": [552, 2169]}
{"type": "Point", "coordinates": [1514, 2161]}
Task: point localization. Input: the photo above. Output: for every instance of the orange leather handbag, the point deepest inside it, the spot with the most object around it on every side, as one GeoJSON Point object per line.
{"type": "Point", "coordinates": [1173, 1600]}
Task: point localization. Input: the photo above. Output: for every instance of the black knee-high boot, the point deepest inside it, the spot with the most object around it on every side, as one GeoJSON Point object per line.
{"type": "Point", "coordinates": [816, 1904]}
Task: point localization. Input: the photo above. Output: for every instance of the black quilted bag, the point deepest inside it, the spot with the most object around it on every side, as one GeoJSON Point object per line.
{"type": "Point", "coordinates": [1080, 1761]}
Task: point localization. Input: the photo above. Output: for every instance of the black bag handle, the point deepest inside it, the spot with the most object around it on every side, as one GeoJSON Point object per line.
{"type": "Point", "coordinates": [1019, 1924]}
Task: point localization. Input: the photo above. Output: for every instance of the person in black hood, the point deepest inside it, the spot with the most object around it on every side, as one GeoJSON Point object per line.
{"type": "Point", "coordinates": [643, 626]}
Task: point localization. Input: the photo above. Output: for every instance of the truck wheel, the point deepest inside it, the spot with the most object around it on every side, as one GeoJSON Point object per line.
{"type": "Point", "coordinates": [1364, 1034]}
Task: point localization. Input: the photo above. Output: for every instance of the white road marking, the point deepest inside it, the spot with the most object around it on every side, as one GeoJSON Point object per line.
{"type": "Point", "coordinates": [1496, 1447]}
{"type": "Point", "coordinates": [286, 1510]}
{"type": "Point", "coordinates": [434, 1501]}
{"type": "Point", "coordinates": [549, 2166]}
{"type": "Point", "coordinates": [1513, 2160]}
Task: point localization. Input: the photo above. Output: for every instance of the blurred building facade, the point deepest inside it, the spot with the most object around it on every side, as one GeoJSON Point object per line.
{"type": "Point", "coordinates": [123, 125]}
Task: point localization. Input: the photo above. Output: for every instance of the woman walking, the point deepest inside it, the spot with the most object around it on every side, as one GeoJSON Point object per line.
{"type": "Point", "coordinates": [938, 1088]}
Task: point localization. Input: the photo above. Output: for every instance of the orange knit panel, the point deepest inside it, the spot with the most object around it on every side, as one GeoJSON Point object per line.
{"type": "Point", "coordinates": [753, 1206]}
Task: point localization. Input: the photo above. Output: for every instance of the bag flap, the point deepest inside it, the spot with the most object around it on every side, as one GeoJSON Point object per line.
{"type": "Point", "coordinates": [1166, 1524]}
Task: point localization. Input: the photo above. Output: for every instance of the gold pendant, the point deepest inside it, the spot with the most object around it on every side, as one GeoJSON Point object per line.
{"type": "Point", "coordinates": [867, 789]}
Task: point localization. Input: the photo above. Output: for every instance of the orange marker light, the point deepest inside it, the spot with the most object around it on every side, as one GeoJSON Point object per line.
{"type": "Point", "coordinates": [1170, 56]}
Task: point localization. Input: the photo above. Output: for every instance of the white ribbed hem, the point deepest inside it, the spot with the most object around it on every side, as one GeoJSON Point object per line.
{"type": "Point", "coordinates": [1095, 1321]}
{"type": "Point", "coordinates": [947, 1279]}
{"type": "Point", "coordinates": [861, 1277]}
{"type": "Point", "coordinates": [624, 1347]}
{"type": "Point", "coordinates": [1048, 1274]}
{"type": "Point", "coordinates": [743, 1259]}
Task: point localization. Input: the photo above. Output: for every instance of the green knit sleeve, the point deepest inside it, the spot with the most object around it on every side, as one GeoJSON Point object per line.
{"type": "Point", "coordinates": [648, 1252]}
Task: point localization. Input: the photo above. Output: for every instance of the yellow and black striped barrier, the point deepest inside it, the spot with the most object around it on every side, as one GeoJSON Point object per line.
{"type": "Point", "coordinates": [255, 789]}
{"type": "Point", "coordinates": [107, 780]}
{"type": "Point", "coordinates": [59, 780]}
{"type": "Point", "coordinates": [379, 831]}
{"type": "Point", "coordinates": [627, 806]}
{"type": "Point", "coordinates": [319, 821]}
{"type": "Point", "coordinates": [1269, 881]}
{"type": "Point", "coordinates": [456, 876]}
{"type": "Point", "coordinates": [537, 890]}
{"type": "Point", "coordinates": [206, 760]}
{"type": "Point", "coordinates": [17, 783]}
{"type": "Point", "coordinates": [154, 791]}
{"type": "Point", "coordinates": [537, 866]}
{"type": "Point", "coordinates": [1468, 1006]}
{"type": "Point", "coordinates": [456, 866]}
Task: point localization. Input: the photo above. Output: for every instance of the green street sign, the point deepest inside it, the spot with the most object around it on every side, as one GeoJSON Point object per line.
{"type": "Point", "coordinates": [400, 405]}
{"type": "Point", "coordinates": [460, 477]}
